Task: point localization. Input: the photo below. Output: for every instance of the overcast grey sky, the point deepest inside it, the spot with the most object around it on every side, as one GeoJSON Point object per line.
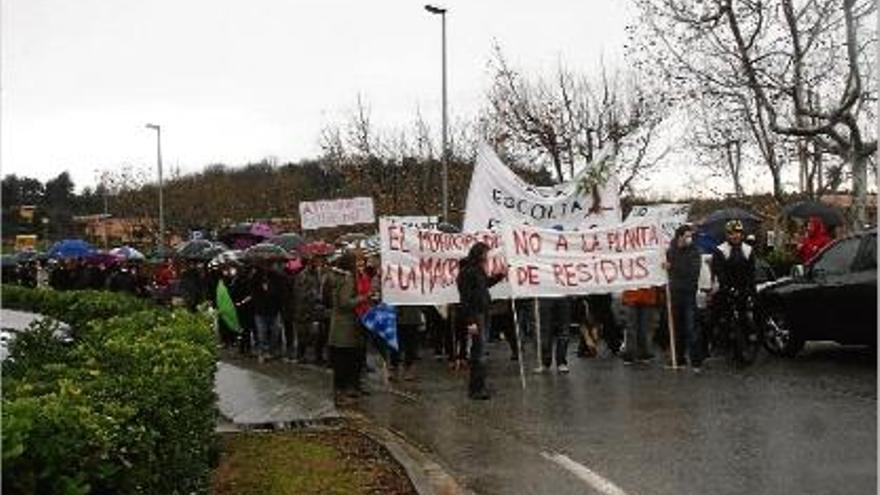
{"type": "Point", "coordinates": [232, 81]}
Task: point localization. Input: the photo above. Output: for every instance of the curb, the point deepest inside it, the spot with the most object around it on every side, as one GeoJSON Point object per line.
{"type": "Point", "coordinates": [428, 477]}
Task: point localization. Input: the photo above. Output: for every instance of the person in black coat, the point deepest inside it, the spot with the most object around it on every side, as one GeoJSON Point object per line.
{"type": "Point", "coordinates": [683, 264]}
{"type": "Point", "coordinates": [123, 280]}
{"type": "Point", "coordinates": [473, 289]}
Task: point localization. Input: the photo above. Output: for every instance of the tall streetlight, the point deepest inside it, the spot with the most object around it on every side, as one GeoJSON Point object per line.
{"type": "Point", "coordinates": [442, 13]}
{"type": "Point", "coordinates": [161, 199]}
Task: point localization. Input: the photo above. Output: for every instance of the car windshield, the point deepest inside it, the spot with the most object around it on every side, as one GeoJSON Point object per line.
{"type": "Point", "coordinates": [838, 259]}
{"type": "Point", "coordinates": [867, 257]}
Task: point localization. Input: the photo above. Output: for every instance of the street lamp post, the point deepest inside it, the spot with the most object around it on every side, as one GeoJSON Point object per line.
{"type": "Point", "coordinates": [442, 12]}
{"type": "Point", "coordinates": [161, 199]}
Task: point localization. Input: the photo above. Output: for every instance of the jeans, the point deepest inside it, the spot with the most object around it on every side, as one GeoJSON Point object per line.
{"type": "Point", "coordinates": [687, 335]}
{"type": "Point", "coordinates": [477, 379]}
{"type": "Point", "coordinates": [643, 317]}
{"type": "Point", "coordinates": [268, 330]}
{"type": "Point", "coordinates": [407, 343]}
{"type": "Point", "coordinates": [555, 327]}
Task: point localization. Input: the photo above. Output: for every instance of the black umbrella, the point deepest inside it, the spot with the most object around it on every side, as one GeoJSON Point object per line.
{"type": "Point", "coordinates": [193, 249]}
{"type": "Point", "coordinates": [290, 241]}
{"type": "Point", "coordinates": [265, 252]}
{"type": "Point", "coordinates": [829, 215]}
{"type": "Point", "coordinates": [714, 224]}
{"type": "Point", "coordinates": [25, 256]}
{"type": "Point", "coordinates": [210, 253]}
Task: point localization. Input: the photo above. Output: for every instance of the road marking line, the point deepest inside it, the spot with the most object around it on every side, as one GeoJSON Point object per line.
{"type": "Point", "coordinates": [584, 473]}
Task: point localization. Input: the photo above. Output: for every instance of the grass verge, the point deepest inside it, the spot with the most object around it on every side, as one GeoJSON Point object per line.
{"type": "Point", "coordinates": [328, 462]}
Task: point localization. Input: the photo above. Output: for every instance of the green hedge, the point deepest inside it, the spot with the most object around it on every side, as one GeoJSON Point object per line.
{"type": "Point", "coordinates": [127, 407]}
{"type": "Point", "coordinates": [76, 308]}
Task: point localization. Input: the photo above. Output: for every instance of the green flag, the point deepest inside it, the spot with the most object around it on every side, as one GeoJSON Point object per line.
{"type": "Point", "coordinates": [226, 308]}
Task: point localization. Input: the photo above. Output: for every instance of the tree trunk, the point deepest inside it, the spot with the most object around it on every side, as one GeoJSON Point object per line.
{"type": "Point", "coordinates": [777, 184]}
{"type": "Point", "coordinates": [860, 190]}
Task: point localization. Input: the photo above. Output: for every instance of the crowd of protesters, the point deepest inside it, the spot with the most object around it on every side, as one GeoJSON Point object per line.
{"type": "Point", "coordinates": [311, 312]}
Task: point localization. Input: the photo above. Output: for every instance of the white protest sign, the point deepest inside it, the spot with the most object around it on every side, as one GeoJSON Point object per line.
{"type": "Point", "coordinates": [418, 222]}
{"type": "Point", "coordinates": [498, 196]}
{"type": "Point", "coordinates": [419, 266]}
{"type": "Point", "coordinates": [552, 263]}
{"type": "Point", "coordinates": [318, 214]}
{"type": "Point", "coordinates": [670, 216]}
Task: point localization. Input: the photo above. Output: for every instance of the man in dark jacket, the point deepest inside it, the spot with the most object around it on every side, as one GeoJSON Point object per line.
{"type": "Point", "coordinates": [473, 290]}
{"type": "Point", "coordinates": [683, 265]}
{"type": "Point", "coordinates": [267, 291]}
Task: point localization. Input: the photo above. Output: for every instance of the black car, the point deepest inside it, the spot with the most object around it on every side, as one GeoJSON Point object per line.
{"type": "Point", "coordinates": [833, 297]}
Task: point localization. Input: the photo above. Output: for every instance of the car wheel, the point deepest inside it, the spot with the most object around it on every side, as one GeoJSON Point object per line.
{"type": "Point", "coordinates": [780, 338]}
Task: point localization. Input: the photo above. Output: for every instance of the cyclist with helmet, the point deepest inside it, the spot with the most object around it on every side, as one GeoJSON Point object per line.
{"type": "Point", "coordinates": [733, 262]}
{"type": "Point", "coordinates": [733, 268]}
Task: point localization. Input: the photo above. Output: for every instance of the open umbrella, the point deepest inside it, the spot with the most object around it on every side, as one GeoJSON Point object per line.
{"type": "Point", "coordinates": [245, 235]}
{"type": "Point", "coordinates": [9, 260]}
{"type": "Point", "coordinates": [226, 258]}
{"type": "Point", "coordinates": [351, 238]}
{"type": "Point", "coordinates": [288, 241]}
{"type": "Point", "coordinates": [194, 249]}
{"type": "Point", "coordinates": [316, 248]}
{"type": "Point", "coordinates": [261, 230]}
{"type": "Point", "coordinates": [829, 215]}
{"type": "Point", "coordinates": [128, 253]}
{"type": "Point", "coordinates": [71, 248]}
{"type": "Point", "coordinates": [212, 252]}
{"type": "Point", "coordinates": [265, 252]}
{"type": "Point", "coordinates": [101, 258]}
{"type": "Point", "coordinates": [714, 224]}
{"type": "Point", "coordinates": [29, 255]}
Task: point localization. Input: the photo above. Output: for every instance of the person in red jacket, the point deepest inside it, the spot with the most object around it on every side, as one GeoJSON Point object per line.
{"type": "Point", "coordinates": [817, 238]}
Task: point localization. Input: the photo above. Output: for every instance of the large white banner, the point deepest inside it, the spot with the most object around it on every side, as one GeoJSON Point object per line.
{"type": "Point", "coordinates": [419, 266]}
{"type": "Point", "coordinates": [552, 263]}
{"type": "Point", "coordinates": [670, 216]}
{"type": "Point", "coordinates": [498, 196]}
{"type": "Point", "coordinates": [318, 214]}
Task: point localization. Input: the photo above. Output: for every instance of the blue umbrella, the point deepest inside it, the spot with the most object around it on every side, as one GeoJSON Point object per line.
{"type": "Point", "coordinates": [70, 248]}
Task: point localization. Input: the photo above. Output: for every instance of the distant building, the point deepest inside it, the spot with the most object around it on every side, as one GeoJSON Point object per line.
{"type": "Point", "coordinates": [103, 230]}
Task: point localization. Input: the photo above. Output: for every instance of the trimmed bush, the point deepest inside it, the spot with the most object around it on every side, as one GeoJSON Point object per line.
{"type": "Point", "coordinates": [76, 308]}
{"type": "Point", "coordinates": [127, 407]}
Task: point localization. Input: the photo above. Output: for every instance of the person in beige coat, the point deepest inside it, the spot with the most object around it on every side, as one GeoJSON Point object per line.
{"type": "Point", "coordinates": [347, 336]}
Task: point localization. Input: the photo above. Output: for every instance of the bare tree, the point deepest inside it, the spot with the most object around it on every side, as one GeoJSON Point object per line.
{"type": "Point", "coordinates": [800, 70]}
{"type": "Point", "coordinates": [563, 123]}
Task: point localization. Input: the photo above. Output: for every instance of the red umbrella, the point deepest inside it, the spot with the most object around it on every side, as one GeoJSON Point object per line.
{"type": "Point", "coordinates": [316, 248]}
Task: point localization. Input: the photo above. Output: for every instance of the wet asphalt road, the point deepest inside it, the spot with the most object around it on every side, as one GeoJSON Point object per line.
{"type": "Point", "coordinates": [801, 426]}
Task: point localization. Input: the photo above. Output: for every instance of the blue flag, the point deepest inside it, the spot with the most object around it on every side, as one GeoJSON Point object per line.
{"type": "Point", "coordinates": [381, 319]}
